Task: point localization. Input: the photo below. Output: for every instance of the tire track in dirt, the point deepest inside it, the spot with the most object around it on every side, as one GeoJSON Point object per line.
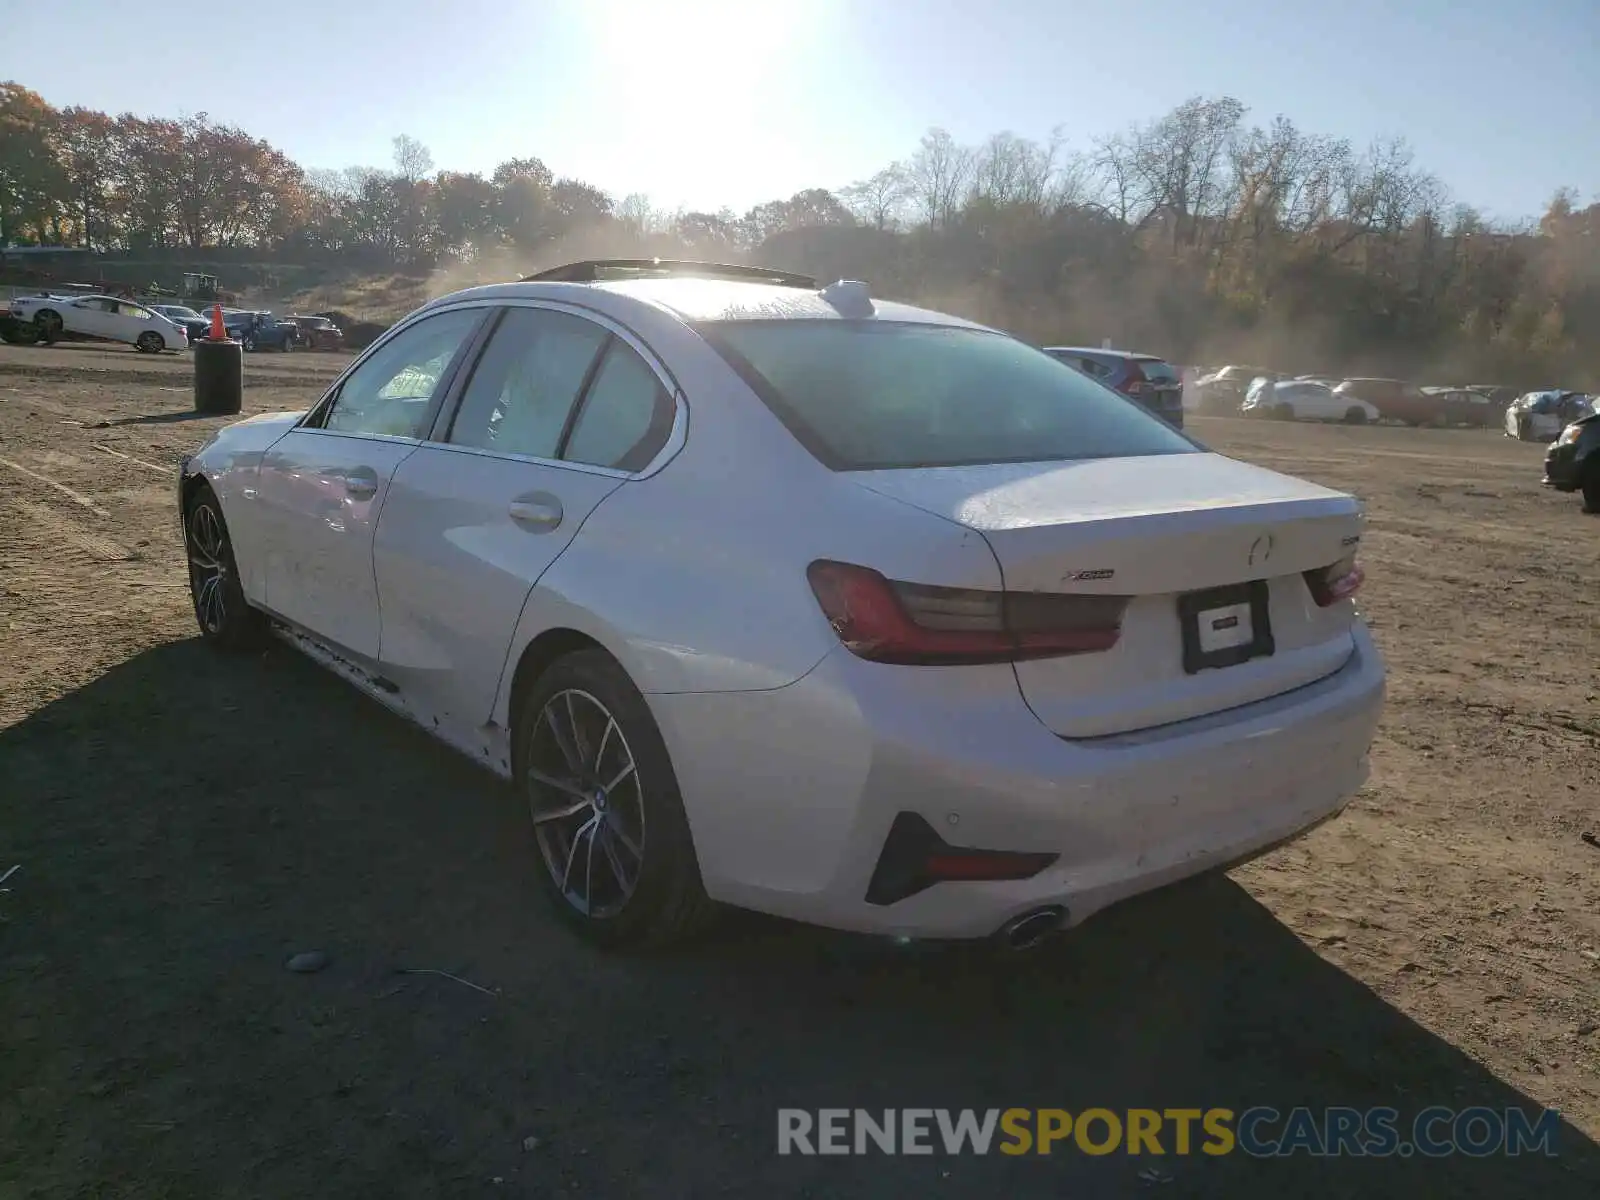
{"type": "Point", "coordinates": [156, 378]}
{"type": "Point", "coordinates": [96, 545]}
{"type": "Point", "coordinates": [147, 465]}
{"type": "Point", "coordinates": [76, 496]}
{"type": "Point", "coordinates": [25, 402]}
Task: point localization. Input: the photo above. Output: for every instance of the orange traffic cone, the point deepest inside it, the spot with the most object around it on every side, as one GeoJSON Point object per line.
{"type": "Point", "coordinates": [219, 331]}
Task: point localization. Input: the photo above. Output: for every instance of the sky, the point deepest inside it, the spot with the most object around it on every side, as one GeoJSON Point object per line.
{"type": "Point", "coordinates": [711, 103]}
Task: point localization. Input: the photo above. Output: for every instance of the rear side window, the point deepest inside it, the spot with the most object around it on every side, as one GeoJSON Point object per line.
{"type": "Point", "coordinates": [556, 386]}
{"type": "Point", "coordinates": [868, 395]}
{"type": "Point", "coordinates": [1157, 371]}
{"type": "Point", "coordinates": [1089, 366]}
{"type": "Point", "coordinates": [524, 386]}
{"type": "Point", "coordinates": [626, 415]}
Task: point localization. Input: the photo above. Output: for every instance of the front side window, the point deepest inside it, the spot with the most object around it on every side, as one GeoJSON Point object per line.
{"type": "Point", "coordinates": [390, 393]}
{"type": "Point", "coordinates": [868, 395]}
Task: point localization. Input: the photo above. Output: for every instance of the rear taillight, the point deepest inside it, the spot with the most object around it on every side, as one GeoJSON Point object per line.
{"type": "Point", "coordinates": [888, 621]}
{"type": "Point", "coordinates": [1338, 582]}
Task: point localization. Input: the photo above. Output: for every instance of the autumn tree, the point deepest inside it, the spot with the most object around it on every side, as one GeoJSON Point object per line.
{"type": "Point", "coordinates": [1199, 232]}
{"type": "Point", "coordinates": [32, 185]}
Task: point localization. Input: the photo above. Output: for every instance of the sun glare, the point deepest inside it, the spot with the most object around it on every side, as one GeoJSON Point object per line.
{"type": "Point", "coordinates": [692, 50]}
{"type": "Point", "coordinates": [687, 80]}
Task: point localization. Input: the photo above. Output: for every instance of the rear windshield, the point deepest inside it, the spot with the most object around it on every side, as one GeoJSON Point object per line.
{"type": "Point", "coordinates": [1157, 371]}
{"type": "Point", "coordinates": [869, 395]}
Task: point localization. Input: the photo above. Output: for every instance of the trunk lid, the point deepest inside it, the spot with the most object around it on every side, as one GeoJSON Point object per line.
{"type": "Point", "coordinates": [1158, 529]}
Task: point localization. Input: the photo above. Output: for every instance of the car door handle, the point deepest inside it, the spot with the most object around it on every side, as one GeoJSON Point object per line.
{"type": "Point", "coordinates": [540, 516]}
{"type": "Point", "coordinates": [361, 482]}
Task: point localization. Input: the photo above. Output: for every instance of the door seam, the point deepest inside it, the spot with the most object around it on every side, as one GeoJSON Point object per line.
{"type": "Point", "coordinates": [372, 553]}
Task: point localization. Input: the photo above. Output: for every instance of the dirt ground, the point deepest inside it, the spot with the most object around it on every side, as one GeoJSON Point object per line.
{"type": "Point", "coordinates": [183, 824]}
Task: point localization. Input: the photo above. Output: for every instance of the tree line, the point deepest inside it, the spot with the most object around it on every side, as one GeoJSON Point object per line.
{"type": "Point", "coordinates": [1201, 235]}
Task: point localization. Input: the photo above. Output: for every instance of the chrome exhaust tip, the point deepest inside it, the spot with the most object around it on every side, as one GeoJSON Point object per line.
{"type": "Point", "coordinates": [1032, 929]}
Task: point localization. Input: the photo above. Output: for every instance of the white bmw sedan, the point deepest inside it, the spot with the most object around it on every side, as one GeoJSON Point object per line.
{"type": "Point", "coordinates": [796, 600]}
{"type": "Point", "coordinates": [103, 318]}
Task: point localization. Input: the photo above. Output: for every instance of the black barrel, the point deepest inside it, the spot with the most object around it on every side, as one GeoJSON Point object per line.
{"type": "Point", "coordinates": [218, 377]}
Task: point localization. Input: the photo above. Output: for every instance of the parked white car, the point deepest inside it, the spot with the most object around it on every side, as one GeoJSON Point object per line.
{"type": "Point", "coordinates": [1541, 416]}
{"type": "Point", "coordinates": [106, 318]}
{"type": "Point", "coordinates": [1305, 400]}
{"type": "Point", "coordinates": [802, 601]}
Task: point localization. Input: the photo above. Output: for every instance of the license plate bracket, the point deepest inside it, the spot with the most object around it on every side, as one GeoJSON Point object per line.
{"type": "Point", "coordinates": [1225, 626]}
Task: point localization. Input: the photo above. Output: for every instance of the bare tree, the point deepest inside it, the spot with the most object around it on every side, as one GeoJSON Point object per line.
{"type": "Point", "coordinates": [412, 160]}
{"type": "Point", "coordinates": [939, 173]}
{"type": "Point", "coordinates": [638, 216]}
{"type": "Point", "coordinates": [1283, 187]}
{"type": "Point", "coordinates": [1120, 186]}
{"type": "Point", "coordinates": [1181, 161]}
{"type": "Point", "coordinates": [877, 200]}
{"type": "Point", "coordinates": [1375, 192]}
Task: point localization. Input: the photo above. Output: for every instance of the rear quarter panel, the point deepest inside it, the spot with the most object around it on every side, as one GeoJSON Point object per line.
{"type": "Point", "coordinates": [695, 578]}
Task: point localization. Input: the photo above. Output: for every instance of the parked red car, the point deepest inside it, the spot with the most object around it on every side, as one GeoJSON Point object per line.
{"type": "Point", "coordinates": [319, 333]}
{"type": "Point", "coordinates": [1396, 400]}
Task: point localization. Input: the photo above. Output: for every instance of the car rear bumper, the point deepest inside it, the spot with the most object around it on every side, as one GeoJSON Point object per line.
{"type": "Point", "coordinates": [791, 793]}
{"type": "Point", "coordinates": [1168, 409]}
{"type": "Point", "coordinates": [1561, 468]}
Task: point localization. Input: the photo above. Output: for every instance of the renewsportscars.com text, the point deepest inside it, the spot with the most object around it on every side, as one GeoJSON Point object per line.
{"type": "Point", "coordinates": [1261, 1132]}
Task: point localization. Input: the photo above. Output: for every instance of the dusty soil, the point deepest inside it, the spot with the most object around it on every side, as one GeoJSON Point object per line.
{"type": "Point", "coordinates": [184, 824]}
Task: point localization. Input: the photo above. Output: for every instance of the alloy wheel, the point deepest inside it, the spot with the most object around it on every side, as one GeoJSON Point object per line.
{"type": "Point", "coordinates": [586, 800]}
{"type": "Point", "coordinates": [208, 566]}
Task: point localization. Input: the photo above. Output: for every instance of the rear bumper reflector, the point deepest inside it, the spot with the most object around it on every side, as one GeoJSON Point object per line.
{"type": "Point", "coordinates": [915, 857]}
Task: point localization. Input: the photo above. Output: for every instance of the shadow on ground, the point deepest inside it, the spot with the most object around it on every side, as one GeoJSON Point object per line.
{"type": "Point", "coordinates": [166, 418]}
{"type": "Point", "coordinates": [186, 823]}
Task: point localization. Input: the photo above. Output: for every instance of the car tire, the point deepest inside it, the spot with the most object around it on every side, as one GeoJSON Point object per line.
{"type": "Point", "coordinates": [249, 344]}
{"type": "Point", "coordinates": [226, 619]}
{"type": "Point", "coordinates": [1524, 429]}
{"type": "Point", "coordinates": [19, 333]}
{"type": "Point", "coordinates": [615, 856]}
{"type": "Point", "coordinates": [1355, 416]}
{"type": "Point", "coordinates": [150, 343]}
{"type": "Point", "coordinates": [1283, 412]}
{"type": "Point", "coordinates": [1591, 487]}
{"type": "Point", "coordinates": [49, 326]}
